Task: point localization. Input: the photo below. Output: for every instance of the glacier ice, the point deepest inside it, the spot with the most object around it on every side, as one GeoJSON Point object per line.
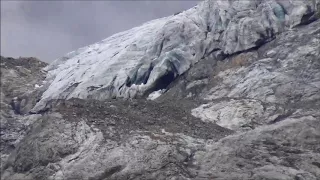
{"type": "Point", "coordinates": [148, 58]}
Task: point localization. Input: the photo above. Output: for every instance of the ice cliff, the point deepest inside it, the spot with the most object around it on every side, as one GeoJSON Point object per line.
{"type": "Point", "coordinates": [149, 57]}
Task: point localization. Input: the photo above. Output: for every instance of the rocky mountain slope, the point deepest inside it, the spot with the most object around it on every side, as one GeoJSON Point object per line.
{"type": "Point", "coordinates": [226, 90]}
{"type": "Point", "coordinates": [19, 78]}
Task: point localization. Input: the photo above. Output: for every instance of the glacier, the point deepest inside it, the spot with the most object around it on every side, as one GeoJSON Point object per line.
{"type": "Point", "coordinates": [139, 61]}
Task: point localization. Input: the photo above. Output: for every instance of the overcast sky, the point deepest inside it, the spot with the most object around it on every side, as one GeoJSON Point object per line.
{"type": "Point", "coordinates": [50, 29]}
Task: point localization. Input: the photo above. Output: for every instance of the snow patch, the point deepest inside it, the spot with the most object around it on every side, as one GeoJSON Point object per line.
{"type": "Point", "coordinates": [36, 86]}
{"type": "Point", "coordinates": [154, 95]}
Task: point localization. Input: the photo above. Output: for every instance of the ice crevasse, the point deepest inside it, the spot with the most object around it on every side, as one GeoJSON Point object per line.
{"type": "Point", "coordinates": [147, 58]}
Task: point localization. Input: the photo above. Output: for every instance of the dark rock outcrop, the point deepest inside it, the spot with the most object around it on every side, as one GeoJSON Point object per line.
{"type": "Point", "coordinates": [19, 93]}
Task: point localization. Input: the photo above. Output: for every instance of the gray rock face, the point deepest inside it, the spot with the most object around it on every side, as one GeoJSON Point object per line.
{"type": "Point", "coordinates": [83, 145]}
{"type": "Point", "coordinates": [121, 140]}
{"type": "Point", "coordinates": [19, 84]}
{"type": "Point", "coordinates": [19, 78]}
{"type": "Point", "coordinates": [247, 111]}
{"type": "Point", "coordinates": [286, 150]}
{"type": "Point", "coordinates": [260, 86]}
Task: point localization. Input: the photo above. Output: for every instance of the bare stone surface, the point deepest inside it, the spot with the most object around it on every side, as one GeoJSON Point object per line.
{"type": "Point", "coordinates": [19, 78]}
